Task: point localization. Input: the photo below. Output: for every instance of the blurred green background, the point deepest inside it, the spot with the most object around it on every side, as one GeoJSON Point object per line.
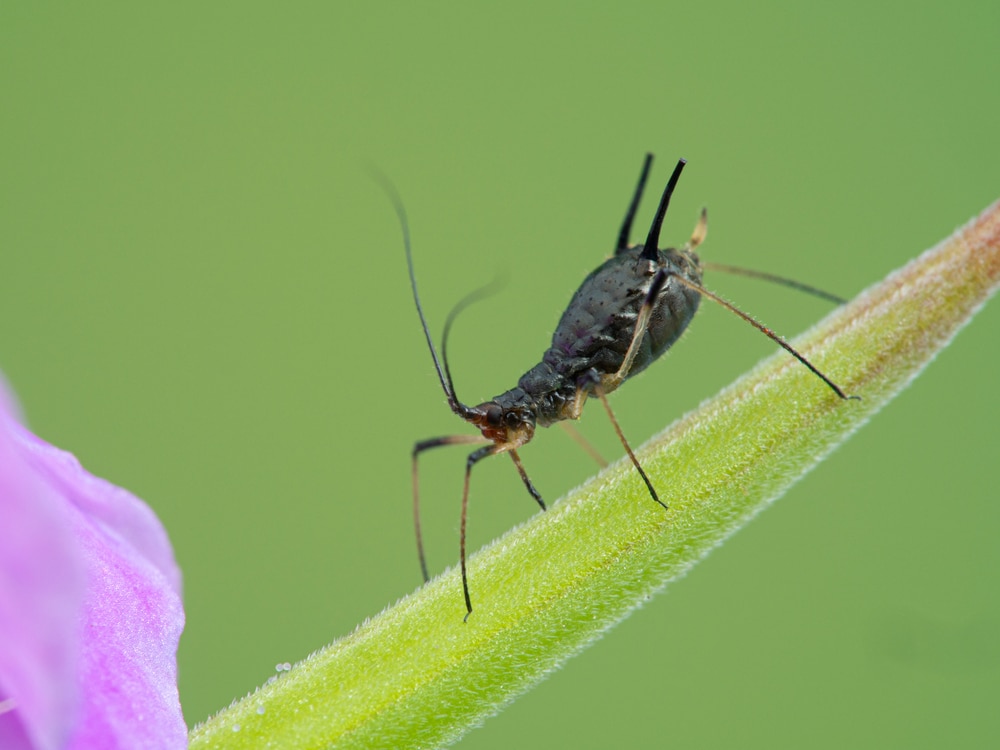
{"type": "Point", "coordinates": [203, 295]}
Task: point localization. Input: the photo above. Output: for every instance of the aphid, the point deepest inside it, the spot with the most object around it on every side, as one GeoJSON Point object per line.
{"type": "Point", "coordinates": [625, 315]}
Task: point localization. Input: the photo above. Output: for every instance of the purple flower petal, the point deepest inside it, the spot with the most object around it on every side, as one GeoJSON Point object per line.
{"type": "Point", "coordinates": [90, 607]}
{"type": "Point", "coordinates": [42, 584]}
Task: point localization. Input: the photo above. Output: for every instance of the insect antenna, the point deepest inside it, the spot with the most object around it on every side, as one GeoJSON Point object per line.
{"type": "Point", "coordinates": [740, 271]}
{"type": "Point", "coordinates": [443, 376]}
{"type": "Point", "coordinates": [476, 295]}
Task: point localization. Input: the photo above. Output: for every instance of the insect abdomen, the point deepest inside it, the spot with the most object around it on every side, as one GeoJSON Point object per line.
{"type": "Point", "coordinates": [597, 327]}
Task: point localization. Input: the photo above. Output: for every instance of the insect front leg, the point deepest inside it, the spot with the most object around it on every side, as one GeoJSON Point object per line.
{"type": "Point", "coordinates": [419, 448]}
{"type": "Point", "coordinates": [471, 461]}
{"type": "Point", "coordinates": [524, 478]}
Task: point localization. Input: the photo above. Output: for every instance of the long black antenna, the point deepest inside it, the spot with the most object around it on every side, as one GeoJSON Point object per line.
{"type": "Point", "coordinates": [472, 297]}
{"type": "Point", "coordinates": [449, 389]}
{"type": "Point", "coordinates": [649, 250]}
{"type": "Point", "coordinates": [626, 229]}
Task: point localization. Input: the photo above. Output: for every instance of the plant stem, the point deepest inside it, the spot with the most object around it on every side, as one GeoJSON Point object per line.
{"type": "Point", "coordinates": [416, 675]}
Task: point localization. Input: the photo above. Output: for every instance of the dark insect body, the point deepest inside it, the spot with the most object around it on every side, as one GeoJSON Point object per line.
{"type": "Point", "coordinates": [624, 316]}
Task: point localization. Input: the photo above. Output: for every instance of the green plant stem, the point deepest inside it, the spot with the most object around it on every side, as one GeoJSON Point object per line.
{"type": "Point", "coordinates": [416, 675]}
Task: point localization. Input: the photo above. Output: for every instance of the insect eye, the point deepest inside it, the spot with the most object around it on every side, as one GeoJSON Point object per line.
{"type": "Point", "coordinates": [493, 415]}
{"type": "Point", "coordinates": [512, 419]}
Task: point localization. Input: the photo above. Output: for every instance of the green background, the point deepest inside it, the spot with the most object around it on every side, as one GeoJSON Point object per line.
{"type": "Point", "coordinates": [203, 295]}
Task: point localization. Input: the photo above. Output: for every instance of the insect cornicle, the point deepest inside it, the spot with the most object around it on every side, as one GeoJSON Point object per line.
{"type": "Point", "coordinates": [625, 315]}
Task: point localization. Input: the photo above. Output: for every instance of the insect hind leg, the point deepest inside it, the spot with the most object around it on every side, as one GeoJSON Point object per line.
{"type": "Point", "coordinates": [770, 334]}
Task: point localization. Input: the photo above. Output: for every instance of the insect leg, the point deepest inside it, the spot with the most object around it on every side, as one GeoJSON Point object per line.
{"type": "Point", "coordinates": [472, 460]}
{"type": "Point", "coordinates": [740, 271]}
{"type": "Point", "coordinates": [628, 448]}
{"type": "Point", "coordinates": [527, 482]}
{"type": "Point", "coordinates": [603, 386]}
{"type": "Point", "coordinates": [590, 383]}
{"type": "Point", "coordinates": [767, 332]}
{"type": "Point", "coordinates": [584, 443]}
{"type": "Point", "coordinates": [611, 382]}
{"type": "Point", "coordinates": [419, 448]}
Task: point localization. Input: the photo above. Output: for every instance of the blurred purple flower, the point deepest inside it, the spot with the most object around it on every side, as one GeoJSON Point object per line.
{"type": "Point", "coordinates": [90, 606]}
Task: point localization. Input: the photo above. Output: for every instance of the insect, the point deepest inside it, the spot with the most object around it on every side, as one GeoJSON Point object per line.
{"type": "Point", "coordinates": [624, 316]}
